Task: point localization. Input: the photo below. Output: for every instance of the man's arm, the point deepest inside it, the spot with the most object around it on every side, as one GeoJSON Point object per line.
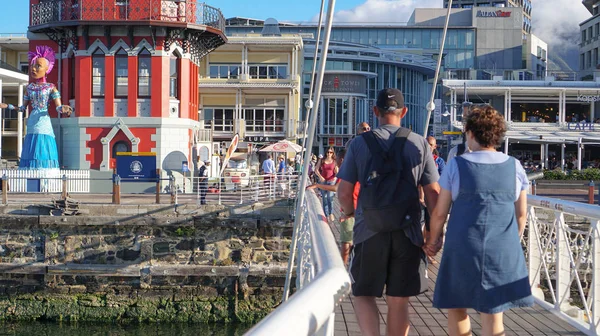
{"type": "Point", "coordinates": [345, 190]}
{"type": "Point", "coordinates": [431, 191]}
{"type": "Point", "coordinates": [326, 187]}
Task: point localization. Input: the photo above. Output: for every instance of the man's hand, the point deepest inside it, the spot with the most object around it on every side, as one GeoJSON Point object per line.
{"type": "Point", "coordinates": [432, 248]}
{"type": "Point", "coordinates": [343, 217]}
{"type": "Point", "coordinates": [312, 186]}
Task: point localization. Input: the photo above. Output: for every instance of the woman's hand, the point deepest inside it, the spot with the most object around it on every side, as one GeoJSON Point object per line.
{"type": "Point", "coordinates": [66, 110]}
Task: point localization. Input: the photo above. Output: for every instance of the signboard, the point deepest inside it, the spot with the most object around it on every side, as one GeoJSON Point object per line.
{"type": "Point", "coordinates": [581, 126]}
{"type": "Point", "coordinates": [339, 142]}
{"type": "Point", "coordinates": [184, 167]}
{"type": "Point", "coordinates": [498, 13]}
{"type": "Point", "coordinates": [230, 150]}
{"type": "Point", "coordinates": [345, 83]}
{"type": "Point", "coordinates": [452, 132]}
{"type": "Point", "coordinates": [136, 165]}
{"type": "Point", "coordinates": [331, 141]}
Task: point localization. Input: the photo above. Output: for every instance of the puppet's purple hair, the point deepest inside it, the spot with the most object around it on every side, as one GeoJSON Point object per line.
{"type": "Point", "coordinates": [43, 52]}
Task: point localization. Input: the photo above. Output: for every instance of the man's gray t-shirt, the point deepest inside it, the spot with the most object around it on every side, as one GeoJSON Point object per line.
{"type": "Point", "coordinates": [416, 153]}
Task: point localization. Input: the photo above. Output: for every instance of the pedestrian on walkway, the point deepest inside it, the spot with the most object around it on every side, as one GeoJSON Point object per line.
{"type": "Point", "coordinates": [346, 222]}
{"type": "Point", "coordinates": [483, 266]}
{"type": "Point", "coordinates": [326, 171]}
{"type": "Point", "coordinates": [389, 162]}
{"type": "Point", "coordinates": [203, 180]}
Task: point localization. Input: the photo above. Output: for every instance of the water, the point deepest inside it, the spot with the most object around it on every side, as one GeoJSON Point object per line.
{"type": "Point", "coordinates": [92, 329]}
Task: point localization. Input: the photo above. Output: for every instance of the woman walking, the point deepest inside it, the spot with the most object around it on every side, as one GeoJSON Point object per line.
{"type": "Point", "coordinates": [326, 171]}
{"type": "Point", "coordinates": [483, 265]}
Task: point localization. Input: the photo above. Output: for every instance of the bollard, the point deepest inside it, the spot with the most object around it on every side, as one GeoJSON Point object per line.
{"type": "Point", "coordinates": [116, 189]}
{"type": "Point", "coordinates": [591, 192]}
{"type": "Point", "coordinates": [4, 189]}
{"type": "Point", "coordinates": [533, 187]}
{"type": "Point", "coordinates": [158, 186]}
{"type": "Point", "coordinates": [172, 188]}
{"type": "Point", "coordinates": [64, 187]}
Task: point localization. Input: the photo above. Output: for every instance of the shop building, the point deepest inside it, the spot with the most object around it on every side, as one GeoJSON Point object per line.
{"type": "Point", "coordinates": [589, 66]}
{"type": "Point", "coordinates": [130, 71]}
{"type": "Point", "coordinates": [14, 67]}
{"type": "Point", "coordinates": [525, 4]}
{"type": "Point", "coordinates": [545, 119]}
{"type": "Point", "coordinates": [251, 87]}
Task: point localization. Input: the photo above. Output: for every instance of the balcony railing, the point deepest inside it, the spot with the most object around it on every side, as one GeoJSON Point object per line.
{"type": "Point", "coordinates": [183, 11]}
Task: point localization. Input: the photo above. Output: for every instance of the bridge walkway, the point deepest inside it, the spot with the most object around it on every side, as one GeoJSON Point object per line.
{"type": "Point", "coordinates": [426, 320]}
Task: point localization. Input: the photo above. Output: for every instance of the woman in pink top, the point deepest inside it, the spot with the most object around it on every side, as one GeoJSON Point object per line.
{"type": "Point", "coordinates": [326, 170]}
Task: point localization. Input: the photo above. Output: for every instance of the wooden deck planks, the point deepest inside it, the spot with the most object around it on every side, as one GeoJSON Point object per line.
{"type": "Point", "coordinates": [429, 321]}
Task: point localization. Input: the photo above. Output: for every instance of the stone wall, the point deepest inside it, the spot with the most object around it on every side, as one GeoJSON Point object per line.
{"type": "Point", "coordinates": [205, 266]}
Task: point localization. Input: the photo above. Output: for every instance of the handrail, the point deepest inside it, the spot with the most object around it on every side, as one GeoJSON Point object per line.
{"type": "Point", "coordinates": [562, 245]}
{"type": "Point", "coordinates": [322, 280]}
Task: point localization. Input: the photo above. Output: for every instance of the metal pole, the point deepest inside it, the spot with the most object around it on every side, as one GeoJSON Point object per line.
{"type": "Point", "coordinates": [312, 74]}
{"type": "Point", "coordinates": [431, 105]}
{"type": "Point", "coordinates": [308, 151]}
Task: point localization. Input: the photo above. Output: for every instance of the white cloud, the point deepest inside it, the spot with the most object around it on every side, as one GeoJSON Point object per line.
{"type": "Point", "coordinates": [557, 21]}
{"type": "Point", "coordinates": [384, 11]}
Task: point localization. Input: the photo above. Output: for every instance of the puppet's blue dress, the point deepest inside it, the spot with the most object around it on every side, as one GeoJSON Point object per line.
{"type": "Point", "coordinates": [39, 148]}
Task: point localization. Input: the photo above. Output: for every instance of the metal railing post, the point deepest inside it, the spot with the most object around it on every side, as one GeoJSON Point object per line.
{"type": "Point", "coordinates": [158, 186]}
{"type": "Point", "coordinates": [172, 189]}
{"type": "Point", "coordinates": [4, 189]}
{"type": "Point", "coordinates": [220, 189]}
{"type": "Point", "coordinates": [64, 187]}
{"type": "Point", "coordinates": [591, 192]}
{"type": "Point", "coordinates": [116, 197]}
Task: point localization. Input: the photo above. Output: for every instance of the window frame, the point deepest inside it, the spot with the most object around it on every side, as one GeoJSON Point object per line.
{"type": "Point", "coordinates": [99, 56]}
{"type": "Point", "coordinates": [121, 57]}
{"type": "Point", "coordinates": [144, 54]}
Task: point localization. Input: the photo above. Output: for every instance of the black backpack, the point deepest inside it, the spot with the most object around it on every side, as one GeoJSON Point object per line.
{"type": "Point", "coordinates": [388, 195]}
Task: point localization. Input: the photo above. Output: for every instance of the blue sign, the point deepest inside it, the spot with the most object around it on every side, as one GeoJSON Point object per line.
{"type": "Point", "coordinates": [134, 165]}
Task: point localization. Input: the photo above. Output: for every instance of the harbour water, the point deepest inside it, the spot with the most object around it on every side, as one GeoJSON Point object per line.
{"type": "Point", "coordinates": [98, 329]}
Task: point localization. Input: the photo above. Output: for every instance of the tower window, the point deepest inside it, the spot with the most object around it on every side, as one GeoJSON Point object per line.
{"type": "Point", "coordinates": [121, 73]}
{"type": "Point", "coordinates": [98, 74]}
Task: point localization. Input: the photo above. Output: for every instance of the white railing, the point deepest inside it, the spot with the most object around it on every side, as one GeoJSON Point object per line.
{"type": "Point", "coordinates": [50, 180]}
{"type": "Point", "coordinates": [562, 244]}
{"type": "Point", "coordinates": [322, 281]}
{"type": "Point", "coordinates": [247, 189]}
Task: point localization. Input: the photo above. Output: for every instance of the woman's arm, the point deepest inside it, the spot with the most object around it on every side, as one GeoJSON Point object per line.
{"type": "Point", "coordinates": [317, 172]}
{"type": "Point", "coordinates": [521, 211]}
{"type": "Point", "coordinates": [438, 218]}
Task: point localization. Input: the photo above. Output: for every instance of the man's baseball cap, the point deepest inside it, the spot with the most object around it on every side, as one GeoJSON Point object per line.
{"type": "Point", "coordinates": [390, 99]}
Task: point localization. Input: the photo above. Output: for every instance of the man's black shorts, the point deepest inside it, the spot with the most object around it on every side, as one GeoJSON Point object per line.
{"type": "Point", "coordinates": [388, 259]}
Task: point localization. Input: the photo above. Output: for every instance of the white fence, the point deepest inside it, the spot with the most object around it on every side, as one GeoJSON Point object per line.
{"type": "Point", "coordinates": [322, 281]}
{"type": "Point", "coordinates": [248, 189]}
{"type": "Point", "coordinates": [50, 180]}
{"type": "Point", "coordinates": [562, 244]}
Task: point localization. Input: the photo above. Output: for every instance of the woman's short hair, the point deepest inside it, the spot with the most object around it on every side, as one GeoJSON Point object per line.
{"type": "Point", "coordinates": [486, 124]}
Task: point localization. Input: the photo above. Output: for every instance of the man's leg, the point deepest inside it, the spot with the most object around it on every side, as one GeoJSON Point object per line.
{"type": "Point", "coordinates": [368, 271]}
{"type": "Point", "coordinates": [459, 323]}
{"type": "Point", "coordinates": [397, 322]}
{"type": "Point", "coordinates": [367, 315]}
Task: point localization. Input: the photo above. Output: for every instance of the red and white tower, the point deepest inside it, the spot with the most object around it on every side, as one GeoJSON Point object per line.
{"type": "Point", "coordinates": [129, 68]}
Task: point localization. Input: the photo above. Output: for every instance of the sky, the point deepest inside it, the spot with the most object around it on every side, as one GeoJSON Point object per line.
{"type": "Point", "coordinates": [555, 21]}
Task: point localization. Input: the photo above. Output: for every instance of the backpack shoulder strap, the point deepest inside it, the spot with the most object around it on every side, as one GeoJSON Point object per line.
{"type": "Point", "coordinates": [372, 143]}
{"type": "Point", "coordinates": [401, 137]}
{"type": "Point", "coordinates": [460, 150]}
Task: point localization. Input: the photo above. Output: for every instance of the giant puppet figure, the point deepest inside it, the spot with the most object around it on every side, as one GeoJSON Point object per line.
{"type": "Point", "coordinates": [39, 148]}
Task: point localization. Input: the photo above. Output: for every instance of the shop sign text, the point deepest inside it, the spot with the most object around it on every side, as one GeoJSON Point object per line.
{"type": "Point", "coordinates": [580, 126]}
{"type": "Point", "coordinates": [588, 99]}
{"type": "Point", "coordinates": [497, 13]}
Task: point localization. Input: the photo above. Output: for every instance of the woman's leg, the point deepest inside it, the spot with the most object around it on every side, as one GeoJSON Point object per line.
{"type": "Point", "coordinates": [459, 323]}
{"type": "Point", "coordinates": [492, 324]}
{"type": "Point", "coordinates": [330, 202]}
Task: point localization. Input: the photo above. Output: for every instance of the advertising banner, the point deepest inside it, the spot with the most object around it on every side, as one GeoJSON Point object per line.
{"type": "Point", "coordinates": [136, 165]}
{"type": "Point", "coordinates": [230, 150]}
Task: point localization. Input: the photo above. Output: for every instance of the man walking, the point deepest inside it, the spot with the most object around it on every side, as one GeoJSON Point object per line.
{"type": "Point", "coordinates": [268, 168]}
{"type": "Point", "coordinates": [360, 129]}
{"type": "Point", "coordinates": [203, 180]}
{"type": "Point", "coordinates": [439, 162]}
{"type": "Point", "coordinates": [387, 258]}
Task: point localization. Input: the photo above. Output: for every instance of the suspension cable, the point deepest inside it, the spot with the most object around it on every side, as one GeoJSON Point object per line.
{"type": "Point", "coordinates": [308, 151]}
{"type": "Point", "coordinates": [431, 104]}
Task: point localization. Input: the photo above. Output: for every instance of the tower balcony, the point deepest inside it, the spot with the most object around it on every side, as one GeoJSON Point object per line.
{"type": "Point", "coordinates": [49, 14]}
